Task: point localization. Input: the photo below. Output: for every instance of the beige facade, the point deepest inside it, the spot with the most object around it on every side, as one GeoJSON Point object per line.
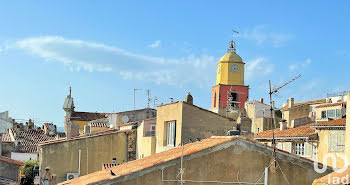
{"type": "Point", "coordinates": [146, 140]}
{"type": "Point", "coordinates": [62, 156]}
{"type": "Point", "coordinates": [189, 123]}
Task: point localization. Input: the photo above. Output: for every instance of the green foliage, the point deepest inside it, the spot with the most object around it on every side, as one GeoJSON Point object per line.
{"type": "Point", "coordinates": [27, 169]}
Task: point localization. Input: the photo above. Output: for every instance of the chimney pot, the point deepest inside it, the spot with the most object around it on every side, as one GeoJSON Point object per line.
{"type": "Point", "coordinates": [261, 100]}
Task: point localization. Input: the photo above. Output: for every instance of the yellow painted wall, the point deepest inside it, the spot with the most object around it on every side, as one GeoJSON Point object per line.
{"type": "Point", "coordinates": [226, 76]}
{"type": "Point", "coordinates": [168, 113]}
{"type": "Point", "coordinates": [146, 146]}
{"type": "Point", "coordinates": [62, 158]}
{"type": "Point", "coordinates": [80, 123]}
{"type": "Point", "coordinates": [323, 148]}
{"type": "Point", "coordinates": [294, 113]}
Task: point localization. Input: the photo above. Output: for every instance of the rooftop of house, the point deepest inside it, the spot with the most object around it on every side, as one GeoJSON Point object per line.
{"type": "Point", "coordinates": [331, 104]}
{"type": "Point", "coordinates": [334, 175]}
{"type": "Point", "coordinates": [8, 181]}
{"type": "Point", "coordinates": [305, 103]}
{"type": "Point", "coordinates": [5, 138]}
{"type": "Point", "coordinates": [93, 134]}
{"type": "Point", "coordinates": [11, 161]}
{"type": "Point", "coordinates": [29, 140]}
{"type": "Point", "coordinates": [88, 116]}
{"type": "Point", "coordinates": [158, 159]}
{"type": "Point", "coordinates": [196, 107]}
{"type": "Point", "coordinates": [334, 123]}
{"type": "Point", "coordinates": [103, 122]}
{"type": "Point", "coordinates": [301, 131]}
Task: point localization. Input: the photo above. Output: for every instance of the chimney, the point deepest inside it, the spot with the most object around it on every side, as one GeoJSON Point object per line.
{"type": "Point", "coordinates": [46, 129]}
{"type": "Point", "coordinates": [291, 103]}
{"type": "Point", "coordinates": [189, 98]}
{"type": "Point", "coordinates": [261, 100]}
{"type": "Point", "coordinates": [283, 125]}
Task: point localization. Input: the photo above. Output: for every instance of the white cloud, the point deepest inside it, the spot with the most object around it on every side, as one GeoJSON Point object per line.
{"type": "Point", "coordinates": [261, 36]}
{"type": "Point", "coordinates": [155, 44]}
{"type": "Point", "coordinates": [300, 65]}
{"type": "Point", "coordinates": [257, 68]}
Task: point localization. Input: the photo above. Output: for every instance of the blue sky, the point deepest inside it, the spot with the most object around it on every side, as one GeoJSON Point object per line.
{"type": "Point", "coordinates": [105, 49]}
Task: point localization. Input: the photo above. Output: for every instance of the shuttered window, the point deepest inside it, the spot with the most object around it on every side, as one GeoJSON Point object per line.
{"type": "Point", "coordinates": [336, 142]}
{"type": "Point", "coordinates": [289, 147]}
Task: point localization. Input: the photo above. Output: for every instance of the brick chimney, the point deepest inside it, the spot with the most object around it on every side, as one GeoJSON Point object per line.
{"type": "Point", "coordinates": [261, 100]}
{"type": "Point", "coordinates": [291, 103]}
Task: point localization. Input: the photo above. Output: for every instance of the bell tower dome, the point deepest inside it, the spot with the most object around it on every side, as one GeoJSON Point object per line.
{"type": "Point", "coordinates": [230, 68]}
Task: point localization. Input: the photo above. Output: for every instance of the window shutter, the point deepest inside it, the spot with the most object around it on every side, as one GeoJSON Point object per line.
{"type": "Point", "coordinates": [289, 147]}
{"type": "Point", "coordinates": [308, 149]}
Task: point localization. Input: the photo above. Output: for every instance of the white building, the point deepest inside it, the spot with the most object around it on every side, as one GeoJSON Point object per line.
{"type": "Point", "coordinates": [5, 125]}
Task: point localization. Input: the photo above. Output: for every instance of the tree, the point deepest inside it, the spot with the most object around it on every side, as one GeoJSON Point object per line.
{"type": "Point", "coordinates": [28, 172]}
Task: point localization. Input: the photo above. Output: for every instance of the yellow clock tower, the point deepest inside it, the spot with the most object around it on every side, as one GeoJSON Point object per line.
{"type": "Point", "coordinates": [230, 68]}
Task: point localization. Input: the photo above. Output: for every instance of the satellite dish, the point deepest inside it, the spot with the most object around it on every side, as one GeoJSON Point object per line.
{"type": "Point", "coordinates": [51, 133]}
{"type": "Point", "coordinates": [51, 127]}
{"type": "Point", "coordinates": [125, 119]}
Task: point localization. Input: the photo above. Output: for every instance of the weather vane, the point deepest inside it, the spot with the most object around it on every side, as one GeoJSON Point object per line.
{"type": "Point", "coordinates": [232, 44]}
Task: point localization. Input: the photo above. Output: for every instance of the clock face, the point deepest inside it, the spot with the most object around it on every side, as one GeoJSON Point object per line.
{"type": "Point", "coordinates": [234, 68]}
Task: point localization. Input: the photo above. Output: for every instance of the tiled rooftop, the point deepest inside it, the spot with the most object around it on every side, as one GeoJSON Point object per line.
{"type": "Point", "coordinates": [304, 103]}
{"type": "Point", "coordinates": [11, 161]}
{"type": "Point", "coordinates": [334, 123]}
{"type": "Point", "coordinates": [5, 137]}
{"type": "Point", "coordinates": [301, 131]}
{"type": "Point", "coordinates": [88, 116]}
{"type": "Point", "coordinates": [147, 162]}
{"type": "Point", "coordinates": [29, 140]}
{"type": "Point", "coordinates": [331, 104]}
{"type": "Point", "coordinates": [93, 134]}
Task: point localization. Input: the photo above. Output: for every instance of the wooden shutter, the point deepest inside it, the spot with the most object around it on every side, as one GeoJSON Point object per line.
{"type": "Point", "coordinates": [288, 147]}
{"type": "Point", "coordinates": [308, 149]}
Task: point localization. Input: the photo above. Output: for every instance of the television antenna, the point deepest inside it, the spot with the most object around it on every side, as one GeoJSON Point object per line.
{"type": "Point", "coordinates": [148, 97]}
{"type": "Point", "coordinates": [271, 92]}
{"type": "Point", "coordinates": [135, 89]}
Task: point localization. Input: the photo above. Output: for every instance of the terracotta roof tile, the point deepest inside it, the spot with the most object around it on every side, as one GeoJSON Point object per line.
{"type": "Point", "coordinates": [29, 140]}
{"type": "Point", "coordinates": [331, 104]}
{"type": "Point", "coordinates": [301, 131]}
{"type": "Point", "coordinates": [306, 102]}
{"type": "Point", "coordinates": [88, 116]}
{"type": "Point", "coordinates": [5, 137]}
{"type": "Point", "coordinates": [11, 161]}
{"type": "Point", "coordinates": [333, 123]}
{"type": "Point", "coordinates": [147, 162]}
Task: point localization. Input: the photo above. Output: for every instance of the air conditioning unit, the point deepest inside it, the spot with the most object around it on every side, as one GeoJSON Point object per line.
{"type": "Point", "coordinates": [71, 176]}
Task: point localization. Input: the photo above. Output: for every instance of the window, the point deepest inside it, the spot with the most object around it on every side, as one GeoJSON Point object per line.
{"type": "Point", "coordinates": [280, 146]}
{"type": "Point", "coordinates": [214, 100]}
{"type": "Point", "coordinates": [338, 113]}
{"type": "Point", "coordinates": [331, 113]}
{"type": "Point", "coordinates": [336, 142]}
{"type": "Point", "coordinates": [170, 133]}
{"type": "Point", "coordinates": [299, 148]}
{"type": "Point", "coordinates": [323, 114]}
{"type": "Point", "coordinates": [233, 99]}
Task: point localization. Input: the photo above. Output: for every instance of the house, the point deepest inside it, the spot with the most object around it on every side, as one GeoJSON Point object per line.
{"type": "Point", "coordinates": [301, 140]}
{"type": "Point", "coordinates": [331, 141]}
{"type": "Point", "coordinates": [293, 111]}
{"type": "Point", "coordinates": [328, 111]}
{"type": "Point", "coordinates": [99, 124]}
{"type": "Point", "coordinates": [26, 142]}
{"type": "Point", "coordinates": [146, 138]}
{"type": "Point", "coordinates": [228, 159]}
{"type": "Point", "coordinates": [86, 153]}
{"type": "Point", "coordinates": [181, 121]}
{"type": "Point", "coordinates": [5, 123]}
{"type": "Point", "coordinates": [260, 115]}
{"type": "Point", "coordinates": [7, 146]}
{"type": "Point", "coordinates": [10, 170]}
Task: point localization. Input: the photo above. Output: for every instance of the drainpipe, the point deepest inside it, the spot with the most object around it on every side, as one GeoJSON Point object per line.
{"type": "Point", "coordinates": [266, 175]}
{"type": "Point", "coordinates": [79, 162]}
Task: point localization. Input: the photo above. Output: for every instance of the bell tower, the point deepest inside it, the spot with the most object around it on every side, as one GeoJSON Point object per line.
{"type": "Point", "coordinates": [230, 92]}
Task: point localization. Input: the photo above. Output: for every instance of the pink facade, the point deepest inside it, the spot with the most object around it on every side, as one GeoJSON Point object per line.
{"type": "Point", "coordinates": [220, 94]}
